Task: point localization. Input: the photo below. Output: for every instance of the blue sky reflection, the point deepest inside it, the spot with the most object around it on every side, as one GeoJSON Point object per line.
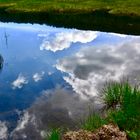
{"type": "Point", "coordinates": [40, 60]}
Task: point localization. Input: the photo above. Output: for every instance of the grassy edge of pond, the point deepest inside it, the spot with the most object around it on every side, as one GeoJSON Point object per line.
{"type": "Point", "coordinates": [100, 19]}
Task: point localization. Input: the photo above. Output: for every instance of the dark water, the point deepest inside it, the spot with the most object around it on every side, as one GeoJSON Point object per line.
{"type": "Point", "coordinates": [98, 20]}
{"type": "Point", "coordinates": [51, 76]}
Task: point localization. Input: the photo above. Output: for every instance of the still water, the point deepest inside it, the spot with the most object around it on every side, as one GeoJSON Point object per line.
{"type": "Point", "coordinates": [51, 75]}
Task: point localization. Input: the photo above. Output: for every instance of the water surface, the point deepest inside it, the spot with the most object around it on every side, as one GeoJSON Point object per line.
{"type": "Point", "coordinates": [51, 75]}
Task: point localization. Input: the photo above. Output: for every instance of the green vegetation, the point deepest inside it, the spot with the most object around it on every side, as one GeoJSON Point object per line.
{"type": "Point", "coordinates": [127, 114]}
{"type": "Point", "coordinates": [122, 108]}
{"type": "Point", "coordinates": [113, 6]}
{"type": "Point", "coordinates": [54, 135]}
{"type": "Point", "coordinates": [122, 103]}
{"type": "Point", "coordinates": [93, 122]}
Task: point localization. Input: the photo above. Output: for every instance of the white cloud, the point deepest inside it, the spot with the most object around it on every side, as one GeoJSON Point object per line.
{"type": "Point", "coordinates": [82, 87]}
{"type": "Point", "coordinates": [38, 76]}
{"type": "Point", "coordinates": [3, 131]}
{"type": "Point", "coordinates": [63, 40]}
{"type": "Point", "coordinates": [26, 127]}
{"type": "Point", "coordinates": [42, 35]}
{"type": "Point", "coordinates": [48, 110]}
{"type": "Point", "coordinates": [19, 82]}
{"type": "Point", "coordinates": [91, 67]}
{"type": "Point", "coordinates": [50, 73]}
{"type": "Point", "coordinates": [23, 121]}
{"type": "Point", "coordinates": [119, 35]}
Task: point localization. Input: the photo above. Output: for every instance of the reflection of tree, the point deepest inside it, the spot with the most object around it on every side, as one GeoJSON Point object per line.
{"type": "Point", "coordinates": [1, 62]}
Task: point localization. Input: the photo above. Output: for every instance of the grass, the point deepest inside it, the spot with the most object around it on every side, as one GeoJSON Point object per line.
{"type": "Point", "coordinates": [54, 135]}
{"type": "Point", "coordinates": [93, 122]}
{"type": "Point", "coordinates": [127, 116]}
{"type": "Point", "coordinates": [126, 7]}
{"type": "Point", "coordinates": [122, 108]}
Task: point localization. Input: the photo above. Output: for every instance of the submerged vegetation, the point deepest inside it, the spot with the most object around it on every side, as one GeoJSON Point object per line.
{"type": "Point", "coordinates": [122, 103]}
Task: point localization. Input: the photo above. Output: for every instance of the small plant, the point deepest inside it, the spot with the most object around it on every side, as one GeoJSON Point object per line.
{"type": "Point", "coordinates": [93, 122]}
{"type": "Point", "coordinates": [131, 135]}
{"type": "Point", "coordinates": [54, 135]}
{"type": "Point", "coordinates": [113, 93]}
{"type": "Point", "coordinates": [127, 115]}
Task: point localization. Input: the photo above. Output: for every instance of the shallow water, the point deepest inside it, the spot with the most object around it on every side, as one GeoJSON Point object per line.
{"type": "Point", "coordinates": [54, 73]}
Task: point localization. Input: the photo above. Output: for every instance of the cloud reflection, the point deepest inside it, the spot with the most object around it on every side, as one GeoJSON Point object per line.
{"type": "Point", "coordinates": [3, 131]}
{"type": "Point", "coordinates": [55, 108]}
{"type": "Point", "coordinates": [19, 82]}
{"type": "Point", "coordinates": [92, 66]}
{"type": "Point", "coordinates": [38, 76]}
{"type": "Point", "coordinates": [63, 40]}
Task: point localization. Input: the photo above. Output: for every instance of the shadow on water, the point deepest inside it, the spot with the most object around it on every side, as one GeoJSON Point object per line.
{"type": "Point", "coordinates": [99, 20]}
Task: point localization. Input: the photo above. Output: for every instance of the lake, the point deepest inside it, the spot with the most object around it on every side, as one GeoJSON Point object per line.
{"type": "Point", "coordinates": [51, 76]}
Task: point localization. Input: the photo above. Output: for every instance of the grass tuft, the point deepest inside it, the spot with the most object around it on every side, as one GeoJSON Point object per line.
{"type": "Point", "coordinates": [54, 135]}
{"type": "Point", "coordinates": [93, 122]}
{"type": "Point", "coordinates": [123, 106]}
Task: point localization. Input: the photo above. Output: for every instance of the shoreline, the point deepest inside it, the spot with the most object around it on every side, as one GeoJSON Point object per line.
{"type": "Point", "coordinates": [98, 20]}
